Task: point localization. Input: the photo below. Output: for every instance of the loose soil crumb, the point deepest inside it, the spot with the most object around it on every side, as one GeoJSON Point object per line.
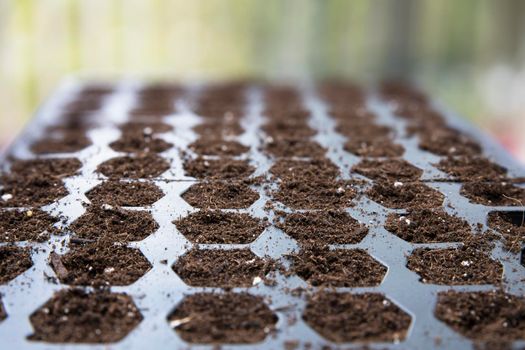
{"type": "Point", "coordinates": [233, 318]}
{"type": "Point", "coordinates": [391, 170]}
{"type": "Point", "coordinates": [215, 195]}
{"type": "Point", "coordinates": [3, 314]}
{"type": "Point", "coordinates": [316, 195]}
{"type": "Point", "coordinates": [73, 141]}
{"type": "Point", "coordinates": [468, 169]}
{"type": "Point", "coordinates": [76, 316]}
{"type": "Point", "coordinates": [397, 195]}
{"type": "Point", "coordinates": [211, 146]}
{"type": "Point", "coordinates": [317, 168]}
{"type": "Point", "coordinates": [134, 167]}
{"type": "Point", "coordinates": [322, 227]}
{"type": "Point", "coordinates": [445, 141]}
{"type": "Point", "coordinates": [367, 317]}
{"type": "Point", "coordinates": [56, 167]}
{"type": "Point", "coordinates": [511, 226]}
{"type": "Point", "coordinates": [222, 268]}
{"type": "Point", "coordinates": [293, 148]}
{"type": "Point", "coordinates": [223, 168]}
{"type": "Point", "coordinates": [114, 224]}
{"type": "Point", "coordinates": [29, 225]}
{"type": "Point", "coordinates": [13, 262]}
{"type": "Point", "coordinates": [428, 226]}
{"type": "Point", "coordinates": [492, 316]}
{"type": "Point", "coordinates": [374, 147]}
{"type": "Point", "coordinates": [321, 266]}
{"type": "Point", "coordinates": [455, 266]}
{"type": "Point", "coordinates": [138, 143]}
{"type": "Point", "coordinates": [218, 227]}
{"type": "Point", "coordinates": [127, 194]}
{"type": "Point", "coordinates": [99, 264]}
{"type": "Point", "coordinates": [33, 191]}
{"type": "Point", "coordinates": [494, 193]}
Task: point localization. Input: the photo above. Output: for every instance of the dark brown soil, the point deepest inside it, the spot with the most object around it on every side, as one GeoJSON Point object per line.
{"type": "Point", "coordinates": [346, 317]}
{"type": "Point", "coordinates": [321, 266]}
{"type": "Point", "coordinates": [138, 143]}
{"type": "Point", "coordinates": [220, 195]}
{"type": "Point", "coordinates": [484, 316]}
{"type": "Point", "coordinates": [233, 318]}
{"type": "Point", "coordinates": [288, 128]}
{"type": "Point", "coordinates": [222, 268]}
{"type": "Point", "coordinates": [29, 225]}
{"type": "Point", "coordinates": [98, 264]}
{"type": "Point", "coordinates": [145, 128]}
{"type": "Point", "coordinates": [293, 148]}
{"type": "Point", "coordinates": [428, 226]}
{"type": "Point", "coordinates": [127, 194]}
{"type": "Point", "coordinates": [223, 168]}
{"type": "Point", "coordinates": [467, 169]}
{"type": "Point", "coordinates": [316, 195]}
{"type": "Point", "coordinates": [317, 168]}
{"type": "Point", "coordinates": [217, 227]}
{"type": "Point", "coordinates": [363, 129]}
{"type": "Point", "coordinates": [322, 227]}
{"type": "Point", "coordinates": [494, 193]}
{"type": "Point", "coordinates": [391, 170]}
{"type": "Point", "coordinates": [150, 113]}
{"type": "Point", "coordinates": [76, 316]}
{"type": "Point", "coordinates": [218, 147]}
{"type": "Point", "coordinates": [219, 128]}
{"type": "Point", "coordinates": [57, 167]}
{"type": "Point", "coordinates": [446, 141]}
{"type": "Point", "coordinates": [13, 262]}
{"type": "Point", "coordinates": [114, 224]}
{"type": "Point", "coordinates": [69, 142]}
{"type": "Point", "coordinates": [33, 191]}
{"type": "Point", "coordinates": [134, 167]}
{"type": "Point", "coordinates": [374, 147]}
{"type": "Point", "coordinates": [455, 266]}
{"type": "Point", "coordinates": [3, 314]}
{"type": "Point", "coordinates": [405, 195]}
{"type": "Point", "coordinates": [511, 226]}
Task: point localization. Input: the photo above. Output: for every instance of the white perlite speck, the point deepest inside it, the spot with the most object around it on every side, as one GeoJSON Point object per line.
{"type": "Point", "coordinates": [7, 197]}
{"type": "Point", "coordinates": [398, 184]}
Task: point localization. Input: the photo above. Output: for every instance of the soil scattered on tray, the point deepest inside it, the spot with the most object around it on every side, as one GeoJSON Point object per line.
{"type": "Point", "coordinates": [138, 143]}
{"type": "Point", "coordinates": [390, 170]}
{"type": "Point", "coordinates": [76, 316]}
{"type": "Point", "coordinates": [222, 268]}
{"type": "Point", "coordinates": [494, 193]}
{"type": "Point", "coordinates": [428, 226]}
{"type": "Point", "coordinates": [317, 168]}
{"type": "Point", "coordinates": [322, 227]}
{"type": "Point", "coordinates": [455, 266]}
{"type": "Point", "coordinates": [13, 262]}
{"type": "Point", "coordinates": [29, 225]}
{"type": "Point", "coordinates": [56, 167]}
{"type": "Point", "coordinates": [293, 148]}
{"type": "Point", "coordinates": [299, 194]}
{"type": "Point", "coordinates": [127, 194]}
{"type": "Point", "coordinates": [113, 223]}
{"type": "Point", "coordinates": [220, 195]}
{"type": "Point", "coordinates": [374, 147]}
{"type": "Point", "coordinates": [218, 227]}
{"type": "Point", "coordinates": [72, 141]}
{"type": "Point", "coordinates": [233, 318]}
{"type": "Point", "coordinates": [400, 195]}
{"type": "Point", "coordinates": [346, 317]}
{"type": "Point", "coordinates": [468, 169]}
{"type": "Point", "coordinates": [33, 191]}
{"type": "Point", "coordinates": [212, 146]}
{"type": "Point", "coordinates": [511, 226]}
{"type": "Point", "coordinates": [321, 266]}
{"type": "Point", "coordinates": [141, 166]}
{"type": "Point", "coordinates": [492, 316]}
{"type": "Point", "coordinates": [99, 264]}
{"type": "Point", "coordinates": [223, 168]}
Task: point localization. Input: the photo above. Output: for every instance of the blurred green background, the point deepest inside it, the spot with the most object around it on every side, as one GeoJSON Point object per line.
{"type": "Point", "coordinates": [468, 53]}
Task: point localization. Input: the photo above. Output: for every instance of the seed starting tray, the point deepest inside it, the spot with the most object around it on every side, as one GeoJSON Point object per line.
{"type": "Point", "coordinates": [279, 287]}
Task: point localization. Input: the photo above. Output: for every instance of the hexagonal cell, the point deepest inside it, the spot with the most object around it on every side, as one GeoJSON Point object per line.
{"type": "Point", "coordinates": [77, 316]}
{"type": "Point", "coordinates": [137, 143]}
{"type": "Point", "coordinates": [13, 262]}
{"type": "Point", "coordinates": [100, 263]}
{"type": "Point", "coordinates": [401, 195]}
{"type": "Point", "coordinates": [27, 225]}
{"type": "Point", "coordinates": [323, 227]}
{"type": "Point", "coordinates": [288, 147]}
{"type": "Point", "coordinates": [445, 141]}
{"type": "Point", "coordinates": [494, 193]}
{"type": "Point", "coordinates": [222, 268]}
{"type": "Point", "coordinates": [493, 316]}
{"type": "Point", "coordinates": [511, 226]}
{"type": "Point", "coordinates": [145, 128]}
{"type": "Point", "coordinates": [215, 226]}
{"type": "Point", "coordinates": [374, 147]}
{"type": "Point", "coordinates": [114, 223]}
{"type": "Point", "coordinates": [472, 168]}
{"type": "Point", "coordinates": [32, 191]}
{"type": "Point", "coordinates": [428, 226]}
{"type": "Point", "coordinates": [455, 266]}
{"type": "Point", "coordinates": [390, 169]}
{"type": "Point", "coordinates": [220, 195]}
{"type": "Point", "coordinates": [127, 194]}
{"type": "Point", "coordinates": [71, 141]}
{"type": "Point", "coordinates": [145, 165]}
{"type": "Point", "coordinates": [219, 128]}
{"type": "Point", "coordinates": [289, 169]}
{"type": "Point", "coordinates": [50, 167]}
{"type": "Point", "coordinates": [213, 146]}
{"type": "Point", "coordinates": [224, 168]}
{"type": "Point", "coordinates": [233, 318]}
{"type": "Point", "coordinates": [322, 266]}
{"type": "Point", "coordinates": [346, 317]}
